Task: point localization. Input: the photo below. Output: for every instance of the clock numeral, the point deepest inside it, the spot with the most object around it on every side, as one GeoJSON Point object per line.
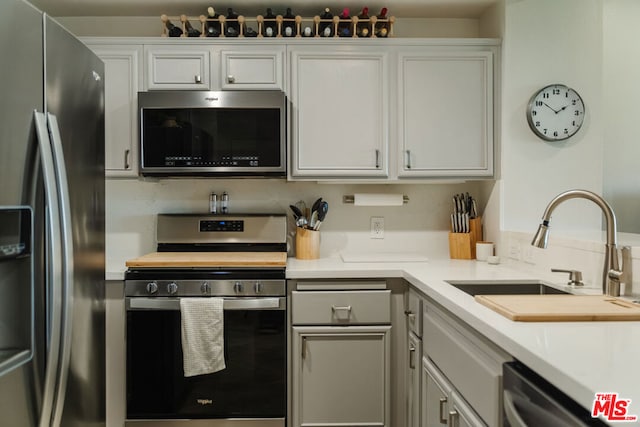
{"type": "Point", "coordinates": [539, 103]}
{"type": "Point", "coordinates": [574, 102]}
{"type": "Point", "coordinates": [577, 112]}
{"type": "Point", "coordinates": [537, 124]}
{"type": "Point", "coordinates": [544, 131]}
{"type": "Point", "coordinates": [566, 131]}
{"type": "Point", "coordinates": [573, 123]}
{"type": "Point", "coordinates": [555, 133]}
{"type": "Point", "coordinates": [545, 95]}
{"type": "Point", "coordinates": [534, 113]}
{"type": "Point", "coordinates": [556, 91]}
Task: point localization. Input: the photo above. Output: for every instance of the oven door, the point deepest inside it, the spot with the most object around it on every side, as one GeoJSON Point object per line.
{"type": "Point", "coordinates": [253, 385]}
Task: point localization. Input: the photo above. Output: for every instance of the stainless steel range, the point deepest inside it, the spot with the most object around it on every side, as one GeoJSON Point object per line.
{"type": "Point", "coordinates": [240, 260]}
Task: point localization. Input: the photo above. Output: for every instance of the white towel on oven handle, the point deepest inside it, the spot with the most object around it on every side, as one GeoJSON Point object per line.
{"type": "Point", "coordinates": [202, 335]}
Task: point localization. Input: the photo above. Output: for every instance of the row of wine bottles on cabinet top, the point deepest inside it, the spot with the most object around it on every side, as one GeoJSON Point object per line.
{"type": "Point", "coordinates": [288, 25]}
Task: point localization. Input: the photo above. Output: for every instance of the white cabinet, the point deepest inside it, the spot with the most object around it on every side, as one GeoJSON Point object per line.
{"type": "Point", "coordinates": [252, 67]}
{"type": "Point", "coordinates": [340, 111]}
{"type": "Point", "coordinates": [441, 404]}
{"type": "Point", "coordinates": [123, 80]}
{"type": "Point", "coordinates": [413, 313]}
{"type": "Point", "coordinates": [177, 67]}
{"type": "Point", "coordinates": [214, 66]}
{"type": "Point", "coordinates": [341, 375]}
{"type": "Point", "coordinates": [445, 113]}
{"type": "Point", "coordinates": [340, 356]}
{"type": "Point", "coordinates": [469, 367]}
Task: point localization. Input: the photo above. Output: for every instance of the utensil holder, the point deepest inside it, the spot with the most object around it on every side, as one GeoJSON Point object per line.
{"type": "Point", "coordinates": [463, 245]}
{"type": "Point", "coordinates": [307, 243]}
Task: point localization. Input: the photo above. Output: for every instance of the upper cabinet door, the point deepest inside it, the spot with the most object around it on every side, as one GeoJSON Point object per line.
{"type": "Point", "coordinates": [252, 67]}
{"type": "Point", "coordinates": [445, 114]}
{"type": "Point", "coordinates": [123, 80]}
{"type": "Point", "coordinates": [339, 99]}
{"type": "Point", "coordinates": [178, 67]}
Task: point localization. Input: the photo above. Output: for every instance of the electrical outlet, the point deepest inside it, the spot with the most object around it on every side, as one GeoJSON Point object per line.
{"type": "Point", "coordinates": [377, 227]}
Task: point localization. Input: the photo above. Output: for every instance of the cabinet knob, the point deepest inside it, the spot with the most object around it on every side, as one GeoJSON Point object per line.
{"type": "Point", "coordinates": [258, 287]}
{"type": "Point", "coordinates": [454, 418]}
{"type": "Point", "coordinates": [377, 159]}
{"type": "Point", "coordinates": [198, 78]}
{"type": "Point", "coordinates": [231, 79]}
{"type": "Point", "coordinates": [408, 159]}
{"type": "Point", "coordinates": [205, 288]}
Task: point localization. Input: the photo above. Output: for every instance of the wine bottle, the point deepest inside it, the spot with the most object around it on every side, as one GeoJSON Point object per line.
{"type": "Point", "coordinates": [250, 32]}
{"type": "Point", "coordinates": [270, 25]}
{"type": "Point", "coordinates": [325, 28]}
{"type": "Point", "coordinates": [289, 24]}
{"type": "Point", "coordinates": [212, 25]}
{"type": "Point", "coordinates": [344, 26]}
{"type": "Point", "coordinates": [363, 26]}
{"type": "Point", "coordinates": [191, 32]}
{"type": "Point", "coordinates": [382, 28]}
{"type": "Point", "coordinates": [233, 26]}
{"type": "Point", "coordinates": [171, 29]}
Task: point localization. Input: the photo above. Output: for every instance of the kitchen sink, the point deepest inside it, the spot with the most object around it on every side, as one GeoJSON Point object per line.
{"type": "Point", "coordinates": [509, 287]}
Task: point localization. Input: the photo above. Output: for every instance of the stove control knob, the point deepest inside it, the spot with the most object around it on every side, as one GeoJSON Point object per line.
{"type": "Point", "coordinates": [238, 288]}
{"type": "Point", "coordinates": [152, 287]}
{"type": "Point", "coordinates": [258, 287]}
{"type": "Point", "coordinates": [172, 288]}
{"type": "Point", "coordinates": [205, 288]}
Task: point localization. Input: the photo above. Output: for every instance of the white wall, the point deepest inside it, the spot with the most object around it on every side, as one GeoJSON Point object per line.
{"type": "Point", "coordinates": [621, 63]}
{"type": "Point", "coordinates": [549, 41]}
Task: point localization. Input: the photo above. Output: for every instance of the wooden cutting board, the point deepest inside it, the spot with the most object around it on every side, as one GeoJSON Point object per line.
{"type": "Point", "coordinates": [561, 308]}
{"type": "Point", "coordinates": [210, 259]}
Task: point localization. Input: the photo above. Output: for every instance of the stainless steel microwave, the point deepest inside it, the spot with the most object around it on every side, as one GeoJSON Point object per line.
{"type": "Point", "coordinates": [197, 133]}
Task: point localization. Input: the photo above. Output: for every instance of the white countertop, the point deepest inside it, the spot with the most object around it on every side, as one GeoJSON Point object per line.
{"type": "Point", "coordinates": [580, 358]}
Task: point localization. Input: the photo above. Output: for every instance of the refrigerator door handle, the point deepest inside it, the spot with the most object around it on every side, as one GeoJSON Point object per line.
{"type": "Point", "coordinates": [67, 266]}
{"type": "Point", "coordinates": [54, 268]}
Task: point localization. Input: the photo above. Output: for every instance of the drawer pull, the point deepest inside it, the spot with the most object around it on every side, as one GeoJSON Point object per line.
{"type": "Point", "coordinates": [454, 419]}
{"type": "Point", "coordinates": [198, 79]}
{"type": "Point", "coordinates": [412, 354]}
{"type": "Point", "coordinates": [346, 308]}
{"type": "Point", "coordinates": [443, 404]}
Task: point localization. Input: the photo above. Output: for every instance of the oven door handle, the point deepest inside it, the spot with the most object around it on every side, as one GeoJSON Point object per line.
{"type": "Point", "coordinates": [278, 303]}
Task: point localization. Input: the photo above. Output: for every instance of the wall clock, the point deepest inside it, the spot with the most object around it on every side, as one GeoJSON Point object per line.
{"type": "Point", "coordinates": [555, 112]}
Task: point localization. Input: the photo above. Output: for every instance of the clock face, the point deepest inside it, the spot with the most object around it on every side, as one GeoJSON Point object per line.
{"type": "Point", "coordinates": [555, 112]}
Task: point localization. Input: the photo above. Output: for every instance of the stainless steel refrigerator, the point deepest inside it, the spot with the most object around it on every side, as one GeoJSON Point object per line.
{"type": "Point", "coordinates": [51, 224]}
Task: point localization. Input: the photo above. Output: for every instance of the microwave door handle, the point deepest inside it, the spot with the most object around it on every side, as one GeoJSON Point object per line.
{"type": "Point", "coordinates": [173, 304]}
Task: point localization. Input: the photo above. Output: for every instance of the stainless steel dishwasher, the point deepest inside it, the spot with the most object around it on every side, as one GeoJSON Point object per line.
{"type": "Point", "coordinates": [531, 401]}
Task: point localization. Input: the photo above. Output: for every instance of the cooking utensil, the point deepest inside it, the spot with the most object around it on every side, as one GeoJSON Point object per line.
{"type": "Point", "coordinates": [296, 212]}
{"type": "Point", "coordinates": [302, 206]}
{"type": "Point", "coordinates": [314, 219]}
{"type": "Point", "coordinates": [316, 205]}
{"type": "Point", "coordinates": [302, 221]}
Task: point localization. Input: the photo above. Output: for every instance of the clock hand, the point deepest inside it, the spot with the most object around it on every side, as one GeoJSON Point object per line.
{"type": "Point", "coordinates": [562, 109]}
{"type": "Point", "coordinates": [551, 108]}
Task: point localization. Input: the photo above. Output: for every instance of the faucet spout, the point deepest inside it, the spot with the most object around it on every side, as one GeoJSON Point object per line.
{"type": "Point", "coordinates": [611, 272]}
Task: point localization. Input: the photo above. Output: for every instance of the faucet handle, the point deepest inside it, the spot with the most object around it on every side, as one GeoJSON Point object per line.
{"type": "Point", "coordinates": [575, 276]}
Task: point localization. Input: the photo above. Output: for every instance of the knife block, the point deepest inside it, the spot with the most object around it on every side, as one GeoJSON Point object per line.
{"type": "Point", "coordinates": [463, 245]}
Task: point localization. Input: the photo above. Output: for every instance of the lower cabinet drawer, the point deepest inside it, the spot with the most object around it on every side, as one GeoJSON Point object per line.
{"type": "Point", "coordinates": [341, 307]}
{"type": "Point", "coordinates": [468, 361]}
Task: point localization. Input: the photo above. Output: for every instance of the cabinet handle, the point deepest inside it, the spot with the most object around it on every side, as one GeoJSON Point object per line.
{"type": "Point", "coordinates": [198, 78]}
{"type": "Point", "coordinates": [443, 404]}
{"type": "Point", "coordinates": [454, 418]}
{"type": "Point", "coordinates": [304, 347]}
{"type": "Point", "coordinates": [231, 79]}
{"type": "Point", "coordinates": [126, 159]}
{"type": "Point", "coordinates": [408, 159]}
{"type": "Point", "coordinates": [377, 159]}
{"type": "Point", "coordinates": [412, 354]}
{"type": "Point", "coordinates": [345, 308]}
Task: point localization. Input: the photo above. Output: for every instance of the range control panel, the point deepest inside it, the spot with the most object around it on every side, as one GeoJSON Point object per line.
{"type": "Point", "coordinates": [221, 225]}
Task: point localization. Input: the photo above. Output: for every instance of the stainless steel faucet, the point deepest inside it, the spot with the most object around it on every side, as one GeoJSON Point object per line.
{"type": "Point", "coordinates": [611, 273]}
